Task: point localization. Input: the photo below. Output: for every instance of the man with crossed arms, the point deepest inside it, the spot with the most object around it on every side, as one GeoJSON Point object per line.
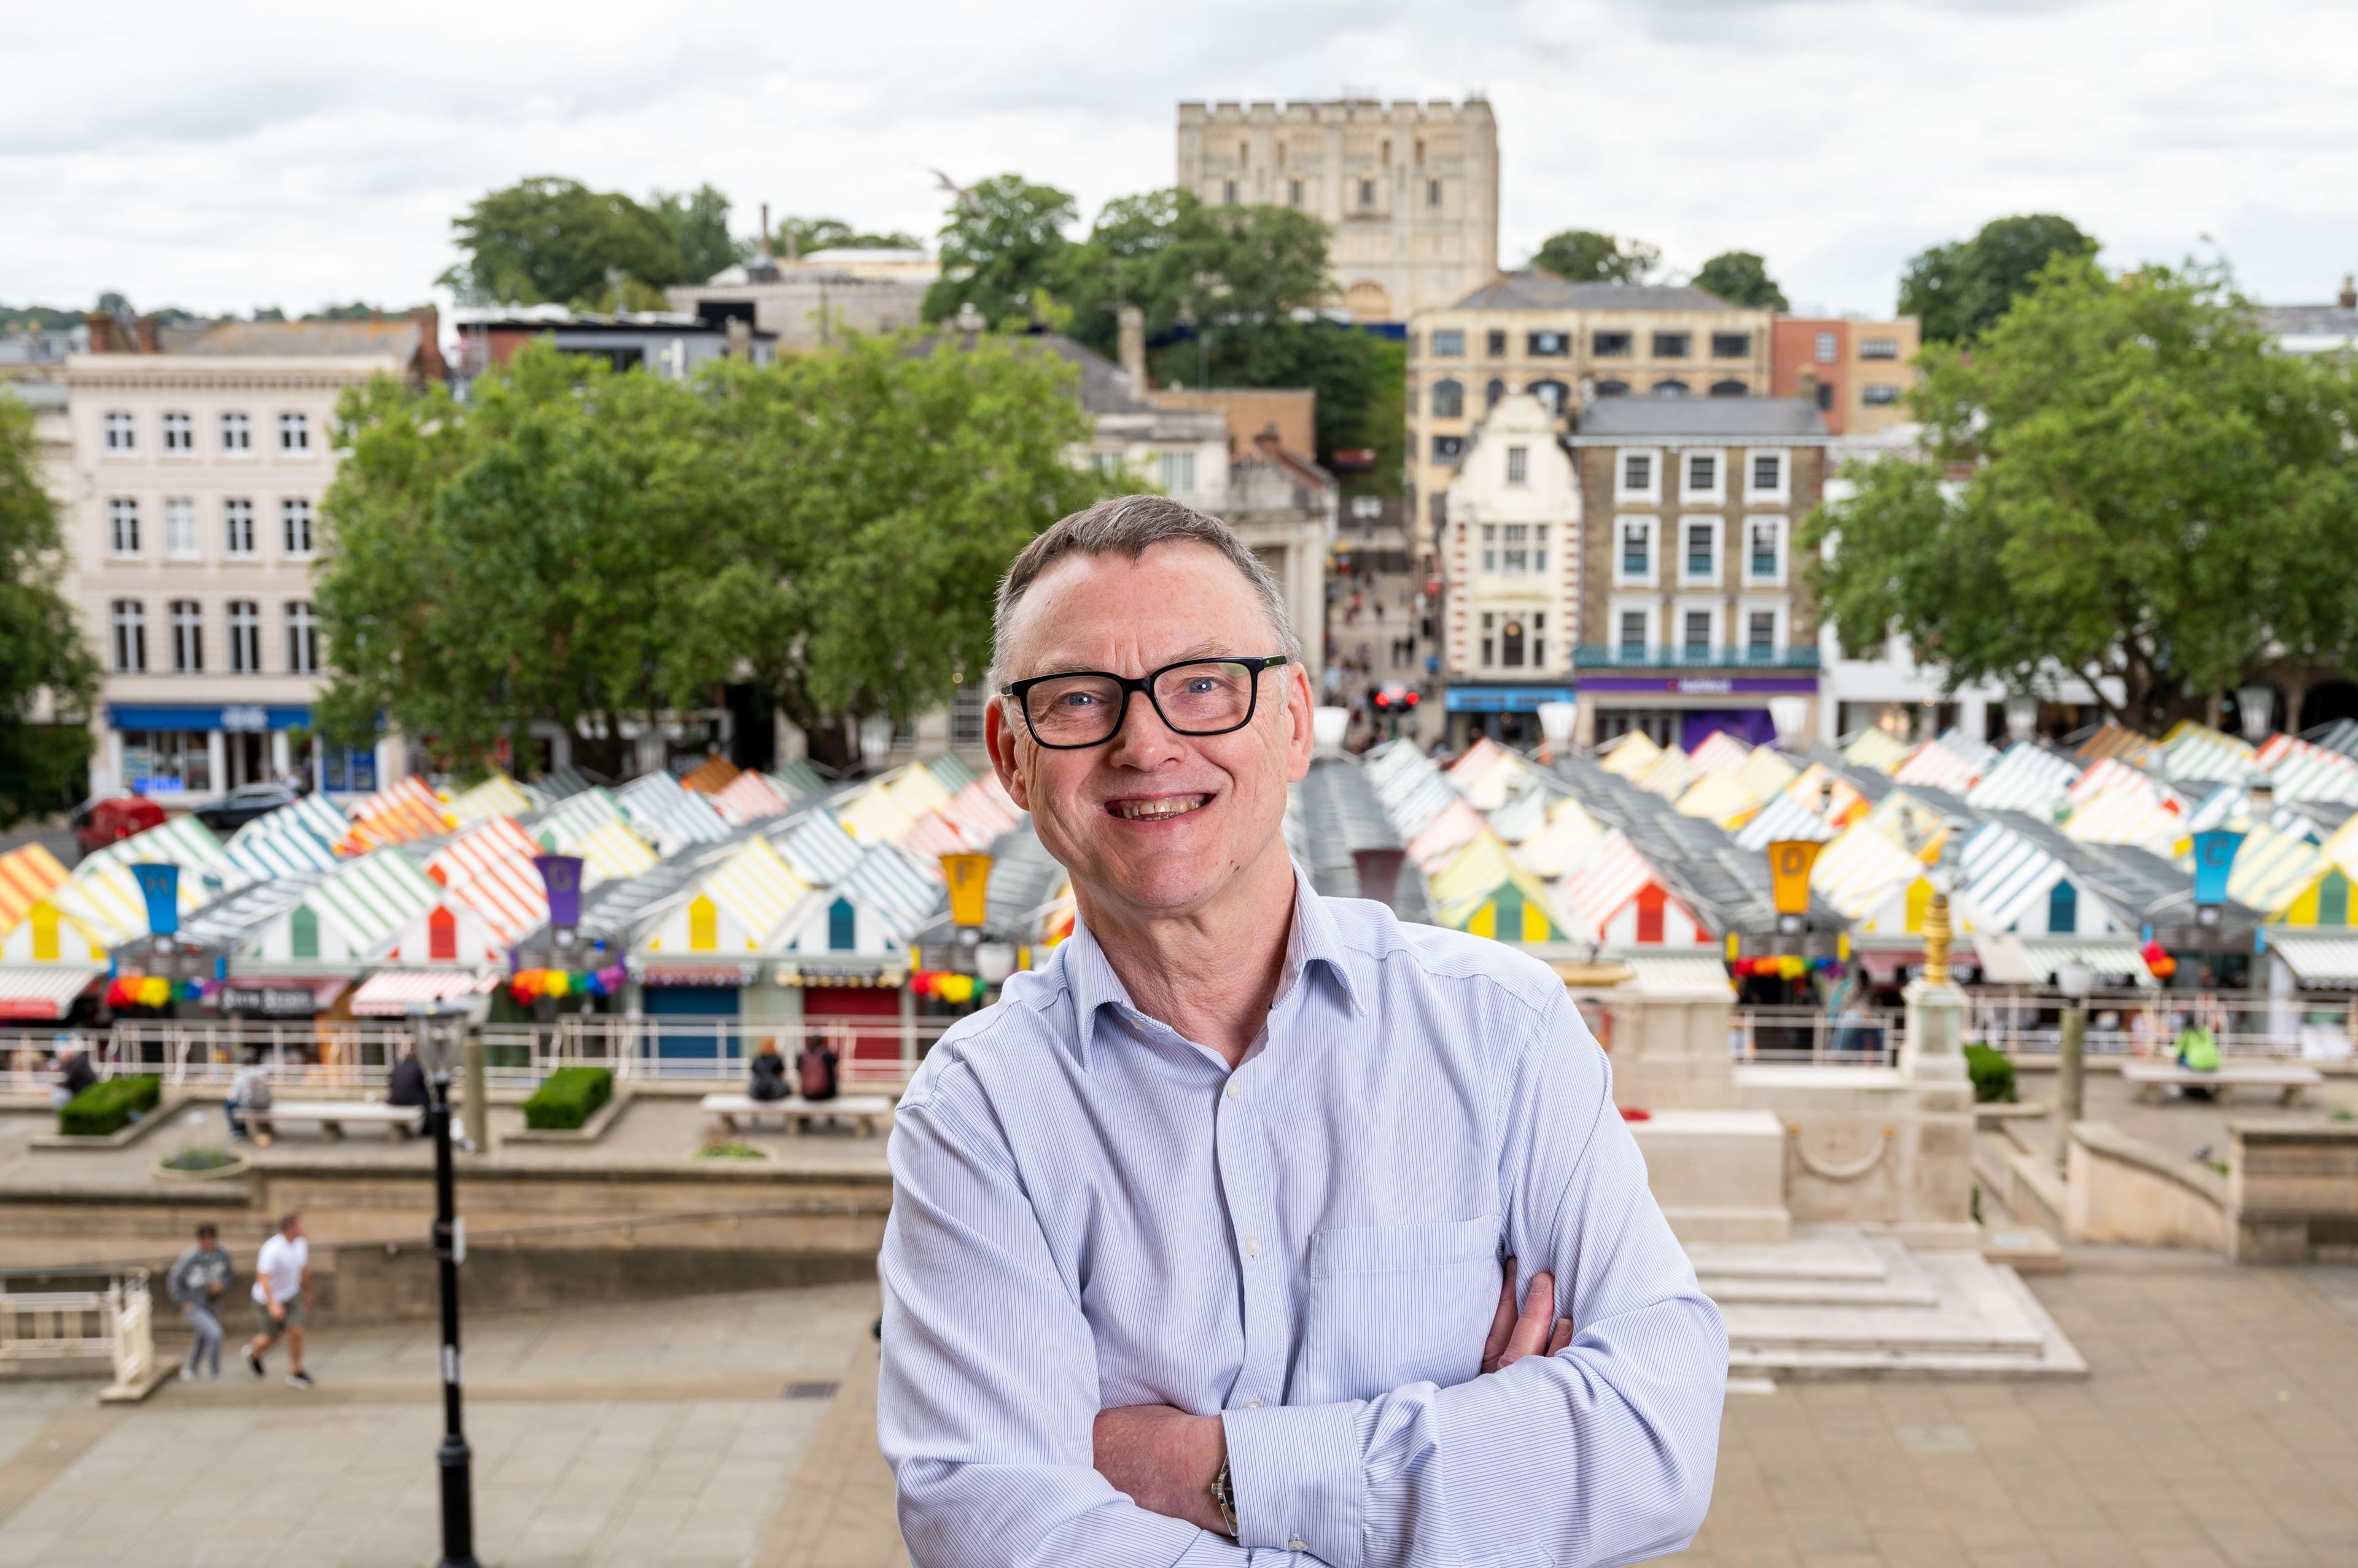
{"type": "Point", "coordinates": [1254, 1225]}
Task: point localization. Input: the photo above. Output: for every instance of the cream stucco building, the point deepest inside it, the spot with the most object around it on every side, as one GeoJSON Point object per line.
{"type": "Point", "coordinates": [1512, 562]}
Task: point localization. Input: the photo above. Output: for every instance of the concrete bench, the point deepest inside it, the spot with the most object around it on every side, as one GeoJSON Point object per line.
{"type": "Point", "coordinates": [331, 1115]}
{"type": "Point", "coordinates": [2287, 1078]}
{"type": "Point", "coordinates": [863, 1109]}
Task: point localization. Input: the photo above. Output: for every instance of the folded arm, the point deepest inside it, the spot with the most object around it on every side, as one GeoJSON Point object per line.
{"type": "Point", "coordinates": [1601, 1452]}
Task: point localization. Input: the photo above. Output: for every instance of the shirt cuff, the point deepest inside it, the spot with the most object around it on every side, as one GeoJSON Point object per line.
{"type": "Point", "coordinates": [1297, 1477]}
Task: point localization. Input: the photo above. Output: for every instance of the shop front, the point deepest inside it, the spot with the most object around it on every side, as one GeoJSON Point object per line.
{"type": "Point", "coordinates": [193, 752]}
{"type": "Point", "coordinates": [1684, 710]}
{"type": "Point", "coordinates": [693, 1010]}
{"type": "Point", "coordinates": [1506, 712]}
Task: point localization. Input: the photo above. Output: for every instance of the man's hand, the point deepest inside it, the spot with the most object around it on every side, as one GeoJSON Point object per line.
{"type": "Point", "coordinates": [277, 1310]}
{"type": "Point", "coordinates": [1163, 1459]}
{"type": "Point", "coordinates": [1512, 1337]}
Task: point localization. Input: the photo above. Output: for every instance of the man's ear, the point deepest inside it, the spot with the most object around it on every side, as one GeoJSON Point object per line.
{"type": "Point", "coordinates": [1298, 705]}
{"type": "Point", "coordinates": [1000, 743]}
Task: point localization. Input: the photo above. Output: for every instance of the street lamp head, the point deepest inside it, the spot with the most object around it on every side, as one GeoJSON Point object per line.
{"type": "Point", "coordinates": [2075, 979]}
{"type": "Point", "coordinates": [2254, 706]}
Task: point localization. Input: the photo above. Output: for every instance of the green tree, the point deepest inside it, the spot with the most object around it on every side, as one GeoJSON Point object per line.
{"type": "Point", "coordinates": [1959, 290]}
{"type": "Point", "coordinates": [800, 236]}
{"type": "Point", "coordinates": [41, 651]}
{"type": "Point", "coordinates": [2150, 498]}
{"type": "Point", "coordinates": [547, 239]}
{"type": "Point", "coordinates": [1002, 251]}
{"type": "Point", "coordinates": [1584, 255]}
{"type": "Point", "coordinates": [586, 547]}
{"type": "Point", "coordinates": [1741, 277]}
{"type": "Point", "coordinates": [698, 223]}
{"type": "Point", "coordinates": [1360, 379]}
{"type": "Point", "coordinates": [1183, 263]}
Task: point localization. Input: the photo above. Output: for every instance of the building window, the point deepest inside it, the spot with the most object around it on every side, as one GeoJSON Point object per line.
{"type": "Point", "coordinates": [1760, 561]}
{"type": "Point", "coordinates": [1178, 473]}
{"type": "Point", "coordinates": [1433, 194]}
{"type": "Point", "coordinates": [122, 525]}
{"type": "Point", "coordinates": [1760, 633]}
{"type": "Point", "coordinates": [1517, 556]}
{"type": "Point", "coordinates": [1701, 558]}
{"type": "Point", "coordinates": [1637, 472]}
{"type": "Point", "coordinates": [1495, 342]}
{"type": "Point", "coordinates": [1878, 396]}
{"type": "Point", "coordinates": [130, 618]}
{"type": "Point", "coordinates": [1448, 343]}
{"type": "Point", "coordinates": [1730, 389]}
{"type": "Point", "coordinates": [302, 639]}
{"type": "Point", "coordinates": [1731, 345]}
{"type": "Point", "coordinates": [1448, 399]}
{"type": "Point", "coordinates": [1293, 193]}
{"type": "Point", "coordinates": [294, 520]}
{"type": "Point", "coordinates": [180, 433]}
{"type": "Point", "coordinates": [1767, 473]}
{"type": "Point", "coordinates": [1538, 643]}
{"type": "Point", "coordinates": [1609, 345]}
{"type": "Point", "coordinates": [1492, 392]}
{"type": "Point", "coordinates": [1879, 347]}
{"type": "Point", "coordinates": [1670, 389]}
{"type": "Point", "coordinates": [165, 761]}
{"type": "Point", "coordinates": [1549, 345]}
{"type": "Point", "coordinates": [1673, 345]}
{"type": "Point", "coordinates": [1610, 388]}
{"type": "Point", "coordinates": [1366, 196]}
{"type": "Point", "coordinates": [1636, 550]}
{"type": "Point", "coordinates": [236, 433]}
{"type": "Point", "coordinates": [122, 436]}
{"type": "Point", "coordinates": [1825, 394]}
{"type": "Point", "coordinates": [1518, 465]}
{"type": "Point", "coordinates": [294, 432]}
{"type": "Point", "coordinates": [1488, 646]}
{"type": "Point", "coordinates": [2062, 909]}
{"type": "Point", "coordinates": [1633, 633]}
{"type": "Point", "coordinates": [1826, 347]}
{"type": "Point", "coordinates": [245, 637]}
{"type": "Point", "coordinates": [237, 527]}
{"type": "Point", "coordinates": [1437, 502]}
{"type": "Point", "coordinates": [1489, 546]}
{"type": "Point", "coordinates": [1703, 473]}
{"type": "Point", "coordinates": [187, 621]}
{"type": "Point", "coordinates": [967, 704]}
{"type": "Point", "coordinates": [1511, 644]}
{"type": "Point", "coordinates": [843, 927]}
{"type": "Point", "coordinates": [180, 528]}
{"type": "Point", "coordinates": [1698, 638]}
{"type": "Point", "coordinates": [1553, 395]}
{"type": "Point", "coordinates": [1448, 449]}
{"type": "Point", "coordinates": [1228, 191]}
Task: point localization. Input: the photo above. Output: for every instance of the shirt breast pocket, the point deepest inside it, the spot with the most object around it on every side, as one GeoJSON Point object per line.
{"type": "Point", "coordinates": [1392, 1304]}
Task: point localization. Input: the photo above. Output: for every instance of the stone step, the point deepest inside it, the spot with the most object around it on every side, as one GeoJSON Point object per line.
{"type": "Point", "coordinates": [1983, 1322]}
{"type": "Point", "coordinates": [1901, 1283]}
{"type": "Point", "coordinates": [1828, 1253]}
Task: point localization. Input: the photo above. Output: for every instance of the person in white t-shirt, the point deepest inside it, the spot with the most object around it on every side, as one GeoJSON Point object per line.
{"type": "Point", "coordinates": [282, 1292]}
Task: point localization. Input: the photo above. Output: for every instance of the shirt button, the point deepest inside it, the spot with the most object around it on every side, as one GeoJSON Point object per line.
{"type": "Point", "coordinates": [1252, 1404]}
{"type": "Point", "coordinates": [1252, 1245]}
{"type": "Point", "coordinates": [1232, 1089]}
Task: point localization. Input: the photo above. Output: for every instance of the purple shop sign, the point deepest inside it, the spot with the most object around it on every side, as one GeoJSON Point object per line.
{"type": "Point", "coordinates": [1697, 686]}
{"type": "Point", "coordinates": [562, 874]}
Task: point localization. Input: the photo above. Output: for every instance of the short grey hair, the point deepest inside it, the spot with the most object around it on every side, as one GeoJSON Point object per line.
{"type": "Point", "coordinates": [1130, 526]}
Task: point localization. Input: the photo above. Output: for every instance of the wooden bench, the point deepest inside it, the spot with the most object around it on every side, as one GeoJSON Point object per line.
{"type": "Point", "coordinates": [2289, 1078]}
{"type": "Point", "coordinates": [331, 1115]}
{"type": "Point", "coordinates": [863, 1109]}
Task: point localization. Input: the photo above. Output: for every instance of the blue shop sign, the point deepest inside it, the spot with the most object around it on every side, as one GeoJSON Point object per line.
{"type": "Point", "coordinates": [1504, 698]}
{"type": "Point", "coordinates": [252, 717]}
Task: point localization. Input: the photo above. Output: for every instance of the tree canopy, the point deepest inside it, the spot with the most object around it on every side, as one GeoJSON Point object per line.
{"type": "Point", "coordinates": [548, 239]}
{"type": "Point", "coordinates": [42, 650]}
{"type": "Point", "coordinates": [1741, 277]}
{"type": "Point", "coordinates": [698, 223]}
{"type": "Point", "coordinates": [2150, 501]}
{"type": "Point", "coordinates": [800, 236]}
{"type": "Point", "coordinates": [1183, 263]}
{"type": "Point", "coordinates": [1584, 255]}
{"type": "Point", "coordinates": [587, 548]}
{"type": "Point", "coordinates": [1002, 251]}
{"type": "Point", "coordinates": [1959, 290]}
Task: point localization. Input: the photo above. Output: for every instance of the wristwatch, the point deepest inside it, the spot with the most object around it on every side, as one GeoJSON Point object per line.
{"type": "Point", "coordinates": [1224, 1496]}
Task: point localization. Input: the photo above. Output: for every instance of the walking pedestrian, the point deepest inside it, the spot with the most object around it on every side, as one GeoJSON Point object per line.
{"type": "Point", "coordinates": [197, 1282]}
{"type": "Point", "coordinates": [282, 1294]}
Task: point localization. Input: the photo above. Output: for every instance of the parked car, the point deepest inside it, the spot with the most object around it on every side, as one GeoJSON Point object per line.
{"type": "Point", "coordinates": [244, 803]}
{"type": "Point", "coordinates": [102, 820]}
{"type": "Point", "coordinates": [1395, 697]}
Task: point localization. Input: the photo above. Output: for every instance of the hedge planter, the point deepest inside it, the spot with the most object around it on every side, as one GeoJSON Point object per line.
{"type": "Point", "coordinates": [110, 1105]}
{"type": "Point", "coordinates": [567, 1097]}
{"type": "Point", "coordinates": [204, 1164]}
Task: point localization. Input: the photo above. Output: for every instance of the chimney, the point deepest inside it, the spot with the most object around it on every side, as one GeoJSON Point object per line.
{"type": "Point", "coordinates": [1379, 872]}
{"type": "Point", "coordinates": [149, 328]}
{"type": "Point", "coordinates": [765, 228]}
{"type": "Point", "coordinates": [428, 365]}
{"type": "Point", "coordinates": [2349, 300]}
{"type": "Point", "coordinates": [1269, 443]}
{"type": "Point", "coordinates": [106, 335]}
{"type": "Point", "coordinates": [1130, 326]}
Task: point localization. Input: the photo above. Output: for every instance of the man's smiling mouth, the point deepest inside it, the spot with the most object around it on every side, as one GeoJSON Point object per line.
{"type": "Point", "coordinates": [1152, 810]}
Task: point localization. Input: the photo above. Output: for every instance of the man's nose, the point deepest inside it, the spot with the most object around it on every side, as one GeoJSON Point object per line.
{"type": "Point", "coordinates": [1143, 740]}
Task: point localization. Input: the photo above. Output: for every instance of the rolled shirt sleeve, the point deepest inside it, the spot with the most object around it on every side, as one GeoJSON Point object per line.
{"type": "Point", "coordinates": [1602, 1454]}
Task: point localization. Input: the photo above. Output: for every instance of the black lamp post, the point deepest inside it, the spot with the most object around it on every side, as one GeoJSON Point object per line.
{"type": "Point", "coordinates": [438, 1040]}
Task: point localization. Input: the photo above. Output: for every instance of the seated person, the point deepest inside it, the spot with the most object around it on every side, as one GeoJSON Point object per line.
{"type": "Point", "coordinates": [405, 1085]}
{"type": "Point", "coordinates": [2198, 1051]}
{"type": "Point", "coordinates": [74, 1074]}
{"type": "Point", "coordinates": [769, 1073]}
{"type": "Point", "coordinates": [815, 1070]}
{"type": "Point", "coordinates": [249, 1091]}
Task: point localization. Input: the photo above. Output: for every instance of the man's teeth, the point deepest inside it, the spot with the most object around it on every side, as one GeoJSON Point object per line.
{"type": "Point", "coordinates": [1170, 805]}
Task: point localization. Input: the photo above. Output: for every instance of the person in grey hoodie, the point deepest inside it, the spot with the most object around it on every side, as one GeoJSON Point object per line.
{"type": "Point", "coordinates": [197, 1282]}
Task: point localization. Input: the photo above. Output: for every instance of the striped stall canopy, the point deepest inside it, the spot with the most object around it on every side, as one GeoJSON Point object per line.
{"type": "Point", "coordinates": [1604, 882]}
{"type": "Point", "coordinates": [1438, 843]}
{"type": "Point", "coordinates": [2005, 876]}
{"type": "Point", "coordinates": [2192, 751]}
{"type": "Point", "coordinates": [1861, 868]}
{"type": "Point", "coordinates": [2320, 963]}
{"type": "Point", "coordinates": [2271, 870]}
{"type": "Point", "coordinates": [796, 778]}
{"type": "Point", "coordinates": [751, 798]}
{"type": "Point", "coordinates": [293, 849]}
{"type": "Point", "coordinates": [918, 790]}
{"type": "Point", "coordinates": [2027, 778]}
{"type": "Point", "coordinates": [389, 993]}
{"type": "Point", "coordinates": [1720, 753]}
{"type": "Point", "coordinates": [482, 851]}
{"type": "Point", "coordinates": [1486, 774]}
{"type": "Point", "coordinates": [711, 777]}
{"type": "Point", "coordinates": [1484, 893]}
{"type": "Point", "coordinates": [931, 838]}
{"type": "Point", "coordinates": [950, 772]}
{"type": "Point", "coordinates": [1521, 814]}
{"type": "Point", "coordinates": [2339, 735]}
{"type": "Point", "coordinates": [1569, 830]}
{"type": "Point", "coordinates": [1785, 818]}
{"type": "Point", "coordinates": [29, 874]}
{"type": "Point", "coordinates": [818, 849]}
{"type": "Point", "coordinates": [982, 811]}
{"type": "Point", "coordinates": [313, 813]}
{"type": "Point", "coordinates": [1627, 756]}
{"type": "Point", "coordinates": [1872, 749]}
{"type": "Point", "coordinates": [2297, 770]}
{"type": "Point", "coordinates": [757, 885]}
{"type": "Point", "coordinates": [374, 897]}
{"type": "Point", "coordinates": [2127, 815]}
{"type": "Point", "coordinates": [671, 815]}
{"type": "Point", "coordinates": [1669, 776]}
{"type": "Point", "coordinates": [1937, 766]}
{"type": "Point", "coordinates": [401, 813]}
{"type": "Point", "coordinates": [43, 993]}
{"type": "Point", "coordinates": [498, 795]}
{"type": "Point", "coordinates": [2117, 743]}
{"type": "Point", "coordinates": [1718, 798]}
{"type": "Point", "coordinates": [1766, 773]}
{"type": "Point", "coordinates": [557, 784]}
{"type": "Point", "coordinates": [611, 851]}
{"type": "Point", "coordinates": [890, 879]}
{"type": "Point", "coordinates": [181, 841]}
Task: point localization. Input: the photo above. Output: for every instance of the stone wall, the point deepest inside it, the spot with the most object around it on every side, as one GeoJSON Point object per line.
{"type": "Point", "coordinates": [2294, 1191]}
{"type": "Point", "coordinates": [2126, 1192]}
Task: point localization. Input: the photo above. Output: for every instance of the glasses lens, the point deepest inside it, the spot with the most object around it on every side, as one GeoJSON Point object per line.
{"type": "Point", "coordinates": [1073, 710]}
{"type": "Point", "coordinates": [1205, 699]}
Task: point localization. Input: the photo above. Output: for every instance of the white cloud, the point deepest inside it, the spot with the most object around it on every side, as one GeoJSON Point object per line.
{"type": "Point", "coordinates": [278, 154]}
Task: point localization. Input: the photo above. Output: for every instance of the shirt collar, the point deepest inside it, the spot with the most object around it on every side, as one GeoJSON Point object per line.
{"type": "Point", "coordinates": [1315, 940]}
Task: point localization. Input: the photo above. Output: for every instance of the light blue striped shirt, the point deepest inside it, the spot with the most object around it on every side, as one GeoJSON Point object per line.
{"type": "Point", "coordinates": [1090, 1211]}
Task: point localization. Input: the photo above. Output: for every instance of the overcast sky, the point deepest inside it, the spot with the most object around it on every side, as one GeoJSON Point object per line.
{"type": "Point", "coordinates": [226, 157]}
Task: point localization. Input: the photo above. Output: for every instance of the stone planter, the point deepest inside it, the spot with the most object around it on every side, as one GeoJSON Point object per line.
{"type": "Point", "coordinates": [239, 1162]}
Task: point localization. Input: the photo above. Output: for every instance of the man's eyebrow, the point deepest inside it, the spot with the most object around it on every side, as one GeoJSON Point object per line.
{"type": "Point", "coordinates": [1056, 664]}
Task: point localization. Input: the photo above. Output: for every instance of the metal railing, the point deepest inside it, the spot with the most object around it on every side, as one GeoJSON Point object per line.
{"type": "Point", "coordinates": [1806, 1037]}
{"type": "Point", "coordinates": [2146, 1024]}
{"type": "Point", "coordinates": [1617, 655]}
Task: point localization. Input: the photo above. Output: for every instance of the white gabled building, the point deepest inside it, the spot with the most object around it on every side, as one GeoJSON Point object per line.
{"type": "Point", "coordinates": [1510, 554]}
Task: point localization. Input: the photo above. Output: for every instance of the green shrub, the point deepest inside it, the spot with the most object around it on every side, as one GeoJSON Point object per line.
{"type": "Point", "coordinates": [194, 1159]}
{"type": "Point", "coordinates": [732, 1151]}
{"type": "Point", "coordinates": [569, 1097]}
{"type": "Point", "coordinates": [1992, 1071]}
{"type": "Point", "coordinates": [109, 1105]}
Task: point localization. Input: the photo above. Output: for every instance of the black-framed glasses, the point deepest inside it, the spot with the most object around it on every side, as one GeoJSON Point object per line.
{"type": "Point", "coordinates": [1195, 697]}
